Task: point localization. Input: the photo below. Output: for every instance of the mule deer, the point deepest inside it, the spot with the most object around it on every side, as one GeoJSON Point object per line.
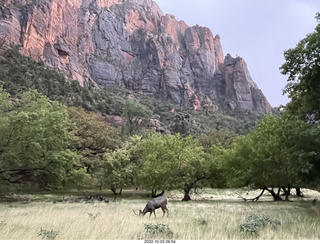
{"type": "Point", "coordinates": [153, 204]}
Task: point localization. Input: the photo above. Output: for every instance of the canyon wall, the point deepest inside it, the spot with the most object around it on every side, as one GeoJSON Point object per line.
{"type": "Point", "coordinates": [131, 44]}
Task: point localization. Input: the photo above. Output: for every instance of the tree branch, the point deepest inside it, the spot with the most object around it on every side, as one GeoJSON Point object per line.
{"type": "Point", "coordinates": [255, 199]}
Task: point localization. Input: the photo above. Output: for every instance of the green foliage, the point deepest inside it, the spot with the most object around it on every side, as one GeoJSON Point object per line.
{"type": "Point", "coordinates": [137, 116]}
{"type": "Point", "coordinates": [254, 223]}
{"type": "Point", "coordinates": [171, 162]}
{"type": "Point", "coordinates": [79, 178]}
{"type": "Point", "coordinates": [90, 150]}
{"type": "Point", "coordinates": [119, 166]}
{"type": "Point", "coordinates": [302, 65]}
{"type": "Point", "coordinates": [93, 138]}
{"type": "Point", "coordinates": [48, 234]}
{"type": "Point", "coordinates": [5, 103]}
{"type": "Point", "coordinates": [277, 153]}
{"type": "Point", "coordinates": [20, 73]}
{"type": "Point", "coordinates": [236, 169]}
{"type": "Point", "coordinates": [217, 138]}
{"type": "Point", "coordinates": [185, 121]}
{"type": "Point", "coordinates": [159, 161]}
{"type": "Point", "coordinates": [35, 136]}
{"type": "Point", "coordinates": [303, 69]}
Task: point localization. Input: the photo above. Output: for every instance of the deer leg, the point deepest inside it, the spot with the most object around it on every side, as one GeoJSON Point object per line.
{"type": "Point", "coordinates": [154, 212]}
{"type": "Point", "coordinates": [167, 211]}
{"type": "Point", "coordinates": [163, 210]}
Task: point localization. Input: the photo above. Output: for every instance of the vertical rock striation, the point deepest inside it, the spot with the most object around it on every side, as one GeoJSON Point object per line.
{"type": "Point", "coordinates": [131, 43]}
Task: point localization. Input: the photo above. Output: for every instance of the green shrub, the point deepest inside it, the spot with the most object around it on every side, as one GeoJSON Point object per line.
{"type": "Point", "coordinates": [154, 231]}
{"type": "Point", "coordinates": [48, 234]}
{"type": "Point", "coordinates": [254, 223]}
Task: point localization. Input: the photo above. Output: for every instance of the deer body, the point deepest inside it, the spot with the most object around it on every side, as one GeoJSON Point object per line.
{"type": "Point", "coordinates": [153, 204]}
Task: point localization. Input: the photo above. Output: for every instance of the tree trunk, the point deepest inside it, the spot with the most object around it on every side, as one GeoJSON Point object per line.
{"type": "Point", "coordinates": [287, 193]}
{"type": "Point", "coordinates": [186, 194]}
{"type": "Point", "coordinates": [114, 190]}
{"type": "Point", "coordinates": [258, 197]}
{"type": "Point", "coordinates": [276, 197]}
{"type": "Point", "coordinates": [299, 192]}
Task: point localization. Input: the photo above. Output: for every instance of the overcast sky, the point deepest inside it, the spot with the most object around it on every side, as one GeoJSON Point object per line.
{"type": "Point", "coordinates": [257, 30]}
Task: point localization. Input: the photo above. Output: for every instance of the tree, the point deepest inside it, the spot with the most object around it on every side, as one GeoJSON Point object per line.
{"type": "Point", "coordinates": [302, 65]}
{"type": "Point", "coordinates": [5, 103]}
{"type": "Point", "coordinates": [171, 162]}
{"type": "Point", "coordinates": [136, 115]}
{"type": "Point", "coordinates": [93, 138]}
{"type": "Point", "coordinates": [195, 167]}
{"type": "Point", "coordinates": [275, 155]}
{"type": "Point", "coordinates": [158, 162]}
{"type": "Point", "coordinates": [35, 138]}
{"type": "Point", "coordinates": [119, 166]}
{"type": "Point", "coordinates": [214, 137]}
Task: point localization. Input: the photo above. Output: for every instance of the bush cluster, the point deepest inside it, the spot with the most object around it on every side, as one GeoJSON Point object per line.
{"type": "Point", "coordinates": [254, 223]}
{"type": "Point", "coordinates": [154, 231]}
{"type": "Point", "coordinates": [48, 234]}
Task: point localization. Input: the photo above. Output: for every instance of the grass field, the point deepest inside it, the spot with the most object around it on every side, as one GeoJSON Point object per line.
{"type": "Point", "coordinates": [204, 220]}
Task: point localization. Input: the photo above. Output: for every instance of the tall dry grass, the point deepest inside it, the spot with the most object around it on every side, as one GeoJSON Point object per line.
{"type": "Point", "coordinates": [205, 220]}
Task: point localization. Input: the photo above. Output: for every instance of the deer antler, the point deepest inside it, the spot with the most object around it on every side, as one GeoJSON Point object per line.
{"type": "Point", "coordinates": [135, 212]}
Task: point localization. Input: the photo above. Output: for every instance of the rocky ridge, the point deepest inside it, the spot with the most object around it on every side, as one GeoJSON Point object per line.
{"type": "Point", "coordinates": [132, 44]}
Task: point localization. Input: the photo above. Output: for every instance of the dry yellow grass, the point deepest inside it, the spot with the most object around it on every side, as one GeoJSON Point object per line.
{"type": "Point", "coordinates": [116, 221]}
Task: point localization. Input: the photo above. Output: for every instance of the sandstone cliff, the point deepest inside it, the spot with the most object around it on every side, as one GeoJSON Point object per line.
{"type": "Point", "coordinates": [131, 43]}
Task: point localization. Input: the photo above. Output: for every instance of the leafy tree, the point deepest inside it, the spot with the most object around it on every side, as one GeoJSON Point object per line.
{"type": "Point", "coordinates": [195, 167]}
{"type": "Point", "coordinates": [5, 104]}
{"type": "Point", "coordinates": [35, 138]}
{"type": "Point", "coordinates": [136, 115]}
{"type": "Point", "coordinates": [214, 137]}
{"type": "Point", "coordinates": [303, 69]}
{"type": "Point", "coordinates": [79, 178]}
{"type": "Point", "coordinates": [93, 138]}
{"type": "Point", "coordinates": [303, 87]}
{"type": "Point", "coordinates": [158, 162]}
{"type": "Point", "coordinates": [171, 162]}
{"type": "Point", "coordinates": [119, 166]}
{"type": "Point", "coordinates": [275, 155]}
{"type": "Point", "coordinates": [180, 126]}
{"type": "Point", "coordinates": [235, 166]}
{"type": "Point", "coordinates": [4, 100]}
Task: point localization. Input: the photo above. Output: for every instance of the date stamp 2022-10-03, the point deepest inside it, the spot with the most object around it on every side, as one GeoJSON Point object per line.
{"type": "Point", "coordinates": [159, 241]}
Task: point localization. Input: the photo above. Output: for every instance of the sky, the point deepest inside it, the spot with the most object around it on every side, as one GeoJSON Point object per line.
{"type": "Point", "coordinates": [257, 30]}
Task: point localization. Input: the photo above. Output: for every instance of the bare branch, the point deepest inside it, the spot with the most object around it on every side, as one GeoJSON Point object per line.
{"type": "Point", "coordinates": [255, 199]}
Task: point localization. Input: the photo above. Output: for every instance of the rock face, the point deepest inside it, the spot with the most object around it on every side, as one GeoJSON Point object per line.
{"type": "Point", "coordinates": [131, 43]}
